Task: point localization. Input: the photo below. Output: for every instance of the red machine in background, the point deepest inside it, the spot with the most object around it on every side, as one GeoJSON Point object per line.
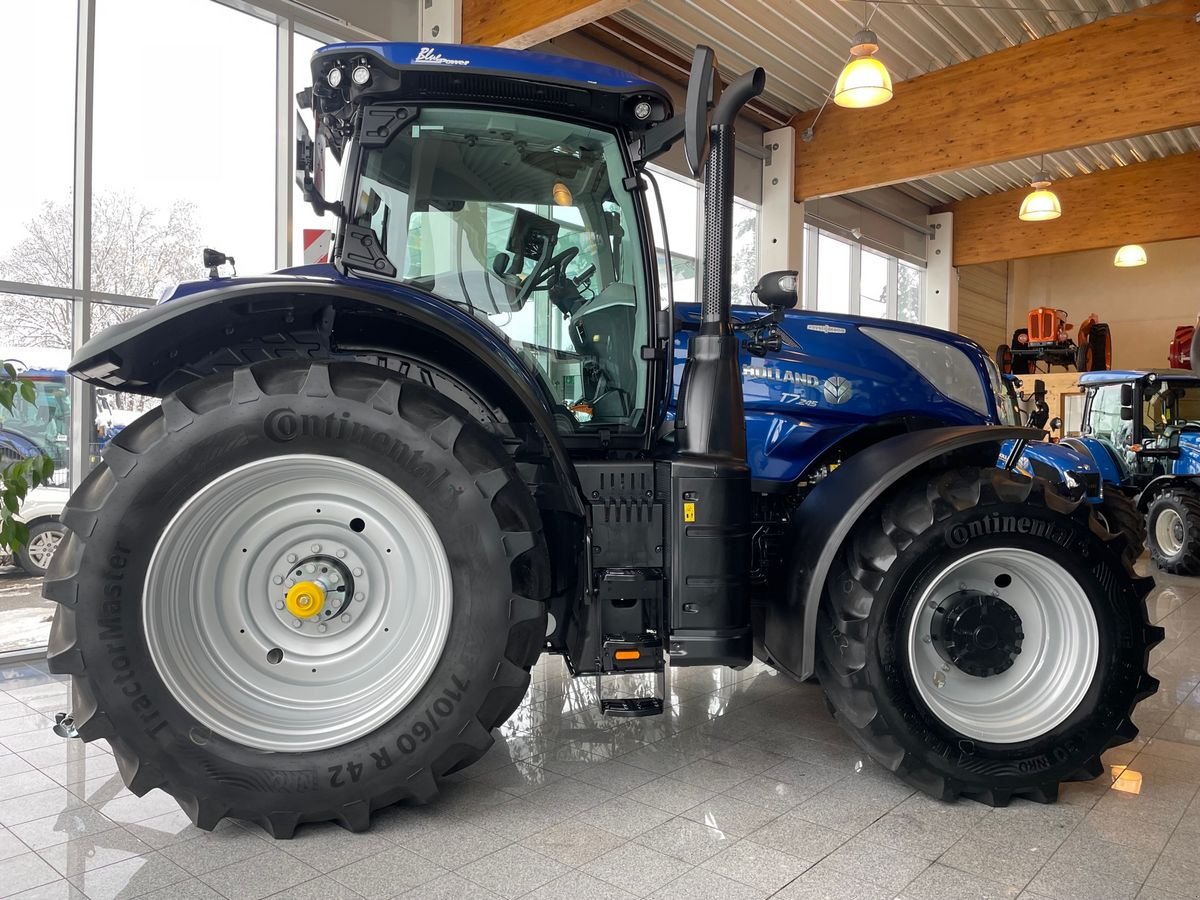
{"type": "Point", "coordinates": [1179, 354]}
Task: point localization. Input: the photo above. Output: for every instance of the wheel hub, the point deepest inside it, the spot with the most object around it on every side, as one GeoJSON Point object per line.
{"type": "Point", "coordinates": [978, 633]}
{"type": "Point", "coordinates": [312, 593]}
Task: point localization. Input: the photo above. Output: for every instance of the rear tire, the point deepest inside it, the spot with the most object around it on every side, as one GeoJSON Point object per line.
{"type": "Point", "coordinates": [1021, 365]}
{"type": "Point", "coordinates": [925, 556]}
{"type": "Point", "coordinates": [307, 746]}
{"type": "Point", "coordinates": [1173, 532]}
{"type": "Point", "coordinates": [1095, 354]}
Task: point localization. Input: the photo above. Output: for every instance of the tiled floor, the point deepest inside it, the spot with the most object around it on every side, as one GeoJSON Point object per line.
{"type": "Point", "coordinates": [745, 790]}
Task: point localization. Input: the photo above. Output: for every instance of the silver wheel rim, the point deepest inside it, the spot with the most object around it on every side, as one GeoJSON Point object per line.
{"type": "Point", "coordinates": [1047, 680]}
{"type": "Point", "coordinates": [221, 632]}
{"type": "Point", "coordinates": [1168, 532]}
{"type": "Point", "coordinates": [41, 547]}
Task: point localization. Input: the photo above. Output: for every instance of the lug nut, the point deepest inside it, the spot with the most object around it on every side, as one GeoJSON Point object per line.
{"type": "Point", "coordinates": [315, 548]}
{"type": "Point", "coordinates": [358, 573]}
{"type": "Point", "coordinates": [310, 568]}
{"type": "Point", "coordinates": [334, 577]}
{"type": "Point", "coordinates": [291, 582]}
{"type": "Point", "coordinates": [295, 623]}
{"type": "Point", "coordinates": [359, 595]}
{"type": "Point", "coordinates": [341, 554]}
{"type": "Point", "coordinates": [322, 628]}
{"type": "Point", "coordinates": [279, 604]}
{"type": "Point", "coordinates": [346, 617]}
{"type": "Point", "coordinates": [278, 579]}
{"type": "Point", "coordinates": [291, 557]}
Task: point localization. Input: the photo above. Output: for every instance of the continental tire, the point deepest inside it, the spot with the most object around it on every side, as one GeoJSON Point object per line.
{"type": "Point", "coordinates": [1173, 532]}
{"type": "Point", "coordinates": [944, 556]}
{"type": "Point", "coordinates": [1119, 514]}
{"type": "Point", "coordinates": [308, 467]}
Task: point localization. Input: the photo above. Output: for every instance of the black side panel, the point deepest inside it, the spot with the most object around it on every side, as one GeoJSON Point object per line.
{"type": "Point", "coordinates": [710, 563]}
{"type": "Point", "coordinates": [837, 502]}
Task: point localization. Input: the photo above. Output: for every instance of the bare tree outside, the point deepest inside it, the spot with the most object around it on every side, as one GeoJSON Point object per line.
{"type": "Point", "coordinates": [136, 251]}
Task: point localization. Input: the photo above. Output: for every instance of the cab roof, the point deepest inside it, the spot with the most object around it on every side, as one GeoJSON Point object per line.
{"type": "Point", "coordinates": [493, 60]}
{"type": "Point", "coordinates": [1120, 376]}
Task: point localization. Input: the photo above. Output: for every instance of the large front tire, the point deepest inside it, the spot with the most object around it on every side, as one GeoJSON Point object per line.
{"type": "Point", "coordinates": [1120, 515]}
{"type": "Point", "coordinates": [298, 593]}
{"type": "Point", "coordinates": [983, 637]}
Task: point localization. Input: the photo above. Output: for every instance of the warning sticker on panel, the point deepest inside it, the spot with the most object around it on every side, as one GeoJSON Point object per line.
{"type": "Point", "coordinates": [689, 511]}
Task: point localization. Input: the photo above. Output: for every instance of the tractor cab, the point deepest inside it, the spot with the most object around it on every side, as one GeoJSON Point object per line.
{"type": "Point", "coordinates": [1148, 422]}
{"type": "Point", "coordinates": [516, 198]}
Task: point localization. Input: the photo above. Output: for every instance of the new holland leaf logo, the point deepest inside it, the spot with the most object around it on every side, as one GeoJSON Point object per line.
{"type": "Point", "coordinates": [837, 390]}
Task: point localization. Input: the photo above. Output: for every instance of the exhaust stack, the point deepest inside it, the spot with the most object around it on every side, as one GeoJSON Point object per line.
{"type": "Point", "coordinates": [711, 412]}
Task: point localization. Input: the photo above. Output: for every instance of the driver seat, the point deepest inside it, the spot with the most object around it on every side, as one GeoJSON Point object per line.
{"type": "Point", "coordinates": [605, 330]}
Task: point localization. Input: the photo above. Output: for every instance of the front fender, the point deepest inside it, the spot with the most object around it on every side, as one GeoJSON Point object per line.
{"type": "Point", "coordinates": [235, 325]}
{"type": "Point", "coordinates": [836, 504]}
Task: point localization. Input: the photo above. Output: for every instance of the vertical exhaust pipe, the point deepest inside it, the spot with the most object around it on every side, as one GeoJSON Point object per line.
{"type": "Point", "coordinates": [710, 410]}
{"type": "Point", "coordinates": [710, 481]}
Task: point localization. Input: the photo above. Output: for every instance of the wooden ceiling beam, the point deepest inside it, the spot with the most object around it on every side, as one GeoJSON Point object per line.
{"type": "Point", "coordinates": [523, 23]}
{"type": "Point", "coordinates": [1123, 76]}
{"type": "Point", "coordinates": [1134, 204]}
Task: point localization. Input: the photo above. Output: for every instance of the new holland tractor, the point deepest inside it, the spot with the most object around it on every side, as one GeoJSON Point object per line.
{"type": "Point", "coordinates": [311, 582]}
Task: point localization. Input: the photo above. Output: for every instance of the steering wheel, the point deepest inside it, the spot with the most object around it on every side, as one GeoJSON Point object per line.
{"type": "Point", "coordinates": [556, 268]}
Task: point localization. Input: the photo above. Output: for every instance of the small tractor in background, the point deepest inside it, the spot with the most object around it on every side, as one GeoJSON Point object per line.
{"type": "Point", "coordinates": [1142, 429]}
{"type": "Point", "coordinates": [1046, 341]}
{"type": "Point", "coordinates": [311, 583]}
{"type": "Point", "coordinates": [1072, 469]}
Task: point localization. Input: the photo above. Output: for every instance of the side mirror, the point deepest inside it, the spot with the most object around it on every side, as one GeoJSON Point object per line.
{"type": "Point", "coordinates": [779, 290]}
{"type": "Point", "coordinates": [1127, 403]}
{"type": "Point", "coordinates": [310, 170]}
{"type": "Point", "coordinates": [699, 101]}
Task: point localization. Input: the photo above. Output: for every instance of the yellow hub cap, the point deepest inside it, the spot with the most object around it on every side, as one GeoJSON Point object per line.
{"type": "Point", "coordinates": [305, 599]}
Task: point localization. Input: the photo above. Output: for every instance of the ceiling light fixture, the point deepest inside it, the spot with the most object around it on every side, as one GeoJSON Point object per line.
{"type": "Point", "coordinates": [1041, 204]}
{"type": "Point", "coordinates": [1130, 256]}
{"type": "Point", "coordinates": [864, 81]}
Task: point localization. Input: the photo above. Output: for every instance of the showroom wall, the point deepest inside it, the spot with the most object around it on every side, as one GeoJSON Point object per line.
{"type": "Point", "coordinates": [1142, 305]}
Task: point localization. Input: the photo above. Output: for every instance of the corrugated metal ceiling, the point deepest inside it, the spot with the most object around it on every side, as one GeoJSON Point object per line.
{"type": "Point", "coordinates": [803, 46]}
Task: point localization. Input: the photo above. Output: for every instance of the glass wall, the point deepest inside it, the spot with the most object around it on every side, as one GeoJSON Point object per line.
{"type": "Point", "coordinates": [178, 158]}
{"type": "Point", "coordinates": [683, 205]}
{"type": "Point", "coordinates": [843, 276]}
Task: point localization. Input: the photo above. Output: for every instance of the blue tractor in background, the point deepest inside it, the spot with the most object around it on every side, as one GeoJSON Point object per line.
{"type": "Point", "coordinates": [311, 582]}
{"type": "Point", "coordinates": [1142, 429]}
{"type": "Point", "coordinates": [1071, 466]}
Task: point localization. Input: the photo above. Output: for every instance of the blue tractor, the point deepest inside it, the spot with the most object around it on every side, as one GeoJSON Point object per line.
{"type": "Point", "coordinates": [1071, 466]}
{"type": "Point", "coordinates": [311, 582]}
{"type": "Point", "coordinates": [1142, 429]}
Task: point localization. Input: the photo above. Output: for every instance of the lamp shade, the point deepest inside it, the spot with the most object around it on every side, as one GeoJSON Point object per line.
{"type": "Point", "coordinates": [864, 82]}
{"type": "Point", "coordinates": [1129, 256]}
{"type": "Point", "coordinates": [1041, 204]}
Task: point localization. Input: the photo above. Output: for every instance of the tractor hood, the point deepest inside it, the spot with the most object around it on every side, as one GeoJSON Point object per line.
{"type": "Point", "coordinates": [860, 369]}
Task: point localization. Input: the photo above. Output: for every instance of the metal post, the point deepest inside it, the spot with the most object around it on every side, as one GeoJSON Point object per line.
{"type": "Point", "coordinates": [83, 417]}
{"type": "Point", "coordinates": [285, 140]}
{"type": "Point", "coordinates": [781, 221]}
{"type": "Point", "coordinates": [941, 278]}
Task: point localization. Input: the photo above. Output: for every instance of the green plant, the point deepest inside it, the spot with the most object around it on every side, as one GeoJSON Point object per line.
{"type": "Point", "coordinates": [19, 477]}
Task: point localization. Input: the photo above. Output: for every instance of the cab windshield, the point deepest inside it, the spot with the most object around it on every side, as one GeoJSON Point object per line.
{"type": "Point", "coordinates": [525, 222]}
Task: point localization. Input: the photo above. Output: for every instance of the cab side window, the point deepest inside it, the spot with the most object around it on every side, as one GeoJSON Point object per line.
{"type": "Point", "coordinates": [1105, 420]}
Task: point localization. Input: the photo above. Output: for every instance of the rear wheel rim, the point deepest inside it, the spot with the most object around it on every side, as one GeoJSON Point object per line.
{"type": "Point", "coordinates": [1168, 532]}
{"type": "Point", "coordinates": [225, 621]}
{"type": "Point", "coordinates": [41, 547]}
{"type": "Point", "coordinates": [1047, 679]}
